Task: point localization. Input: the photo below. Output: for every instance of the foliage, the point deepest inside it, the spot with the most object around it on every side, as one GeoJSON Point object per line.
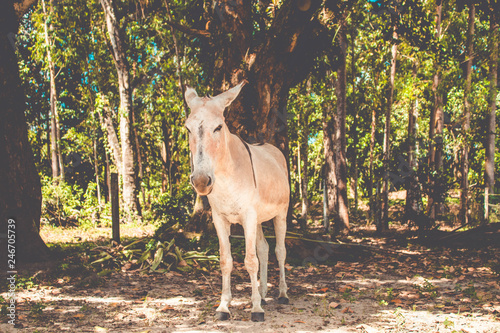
{"type": "Point", "coordinates": [61, 202]}
{"type": "Point", "coordinates": [65, 204]}
{"type": "Point", "coordinates": [171, 210]}
{"type": "Point", "coordinates": [153, 255]}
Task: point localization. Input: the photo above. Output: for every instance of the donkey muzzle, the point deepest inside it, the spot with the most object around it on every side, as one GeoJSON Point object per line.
{"type": "Point", "coordinates": [202, 183]}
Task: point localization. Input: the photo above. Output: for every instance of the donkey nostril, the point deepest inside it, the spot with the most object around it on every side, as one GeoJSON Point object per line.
{"type": "Point", "coordinates": [209, 181]}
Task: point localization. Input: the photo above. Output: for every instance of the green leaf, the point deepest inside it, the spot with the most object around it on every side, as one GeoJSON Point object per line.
{"type": "Point", "coordinates": [157, 260]}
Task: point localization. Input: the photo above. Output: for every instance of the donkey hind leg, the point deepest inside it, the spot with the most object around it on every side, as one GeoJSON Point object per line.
{"type": "Point", "coordinates": [280, 230]}
{"type": "Point", "coordinates": [263, 255]}
{"type": "Point", "coordinates": [252, 263]}
{"type": "Point", "coordinates": [226, 265]}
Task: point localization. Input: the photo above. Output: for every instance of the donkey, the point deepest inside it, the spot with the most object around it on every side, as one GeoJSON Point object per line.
{"type": "Point", "coordinates": [245, 184]}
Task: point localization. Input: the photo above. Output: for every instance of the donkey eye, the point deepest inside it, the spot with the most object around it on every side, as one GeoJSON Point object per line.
{"type": "Point", "coordinates": [218, 128]}
{"type": "Point", "coordinates": [188, 130]}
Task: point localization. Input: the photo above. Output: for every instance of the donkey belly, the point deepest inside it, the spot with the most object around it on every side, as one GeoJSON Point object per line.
{"type": "Point", "coordinates": [272, 182]}
{"type": "Point", "coordinates": [235, 208]}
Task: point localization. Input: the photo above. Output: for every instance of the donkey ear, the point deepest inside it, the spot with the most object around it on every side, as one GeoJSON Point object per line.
{"type": "Point", "coordinates": [227, 97]}
{"type": "Point", "coordinates": [189, 95]}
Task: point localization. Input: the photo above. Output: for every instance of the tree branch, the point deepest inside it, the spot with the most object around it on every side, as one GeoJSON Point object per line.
{"type": "Point", "coordinates": [188, 30]}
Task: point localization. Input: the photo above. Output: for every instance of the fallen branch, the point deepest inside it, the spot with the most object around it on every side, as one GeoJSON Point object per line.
{"type": "Point", "coordinates": [338, 244]}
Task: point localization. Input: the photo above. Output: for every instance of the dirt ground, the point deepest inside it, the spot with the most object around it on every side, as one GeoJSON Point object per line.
{"type": "Point", "coordinates": [397, 289]}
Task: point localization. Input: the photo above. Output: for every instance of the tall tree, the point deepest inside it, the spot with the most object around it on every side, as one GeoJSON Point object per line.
{"type": "Point", "coordinates": [330, 166]}
{"type": "Point", "coordinates": [489, 165]}
{"type": "Point", "coordinates": [55, 131]}
{"type": "Point", "coordinates": [355, 114]}
{"type": "Point", "coordinates": [373, 205]}
{"type": "Point", "coordinates": [129, 170]}
{"type": "Point", "coordinates": [304, 158]}
{"type": "Point", "coordinates": [384, 223]}
{"type": "Point", "coordinates": [464, 195]}
{"type": "Point", "coordinates": [340, 132]}
{"type": "Point", "coordinates": [20, 189]}
{"type": "Point", "coordinates": [436, 125]}
{"type": "Point", "coordinates": [413, 199]}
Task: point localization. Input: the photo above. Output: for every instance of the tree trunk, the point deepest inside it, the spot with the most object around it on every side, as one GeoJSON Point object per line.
{"type": "Point", "coordinates": [20, 189]}
{"type": "Point", "coordinates": [114, 144]}
{"type": "Point", "coordinates": [489, 165]}
{"type": "Point", "coordinates": [108, 177]}
{"type": "Point", "coordinates": [166, 158]}
{"type": "Point", "coordinates": [55, 151]}
{"type": "Point", "coordinates": [436, 130]}
{"type": "Point", "coordinates": [384, 223]}
{"type": "Point", "coordinates": [304, 147]}
{"type": "Point", "coordinates": [129, 155]}
{"type": "Point", "coordinates": [178, 67]}
{"type": "Point", "coordinates": [464, 195]}
{"type": "Point", "coordinates": [354, 125]}
{"type": "Point", "coordinates": [370, 185]}
{"type": "Point", "coordinates": [412, 207]}
{"type": "Point", "coordinates": [137, 152]}
{"type": "Point", "coordinates": [340, 134]}
{"type": "Point", "coordinates": [330, 167]}
{"type": "Point", "coordinates": [96, 172]}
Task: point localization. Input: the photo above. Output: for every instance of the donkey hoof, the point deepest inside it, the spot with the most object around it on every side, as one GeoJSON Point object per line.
{"type": "Point", "coordinates": [263, 302]}
{"type": "Point", "coordinates": [257, 316]}
{"type": "Point", "coordinates": [283, 300]}
{"type": "Point", "coordinates": [219, 315]}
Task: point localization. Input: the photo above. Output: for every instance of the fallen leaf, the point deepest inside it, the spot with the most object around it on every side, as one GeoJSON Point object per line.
{"type": "Point", "coordinates": [300, 321]}
{"type": "Point", "coordinates": [334, 305]}
{"type": "Point", "coordinates": [347, 310]}
{"type": "Point", "coordinates": [345, 288]}
{"type": "Point", "coordinates": [100, 329]}
{"type": "Point", "coordinates": [166, 308]}
{"type": "Point", "coordinates": [323, 290]}
{"type": "Point", "coordinates": [79, 315]}
{"type": "Point", "coordinates": [396, 301]}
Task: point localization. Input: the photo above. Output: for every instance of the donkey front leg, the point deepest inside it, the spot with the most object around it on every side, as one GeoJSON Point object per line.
{"type": "Point", "coordinates": [280, 230]}
{"type": "Point", "coordinates": [252, 263]}
{"type": "Point", "coordinates": [226, 265]}
{"type": "Point", "coordinates": [263, 256]}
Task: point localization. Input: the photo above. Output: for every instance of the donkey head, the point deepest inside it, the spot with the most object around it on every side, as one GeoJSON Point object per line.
{"type": "Point", "coordinates": [208, 135]}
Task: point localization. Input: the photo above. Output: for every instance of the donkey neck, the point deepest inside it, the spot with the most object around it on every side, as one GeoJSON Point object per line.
{"type": "Point", "coordinates": [237, 159]}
